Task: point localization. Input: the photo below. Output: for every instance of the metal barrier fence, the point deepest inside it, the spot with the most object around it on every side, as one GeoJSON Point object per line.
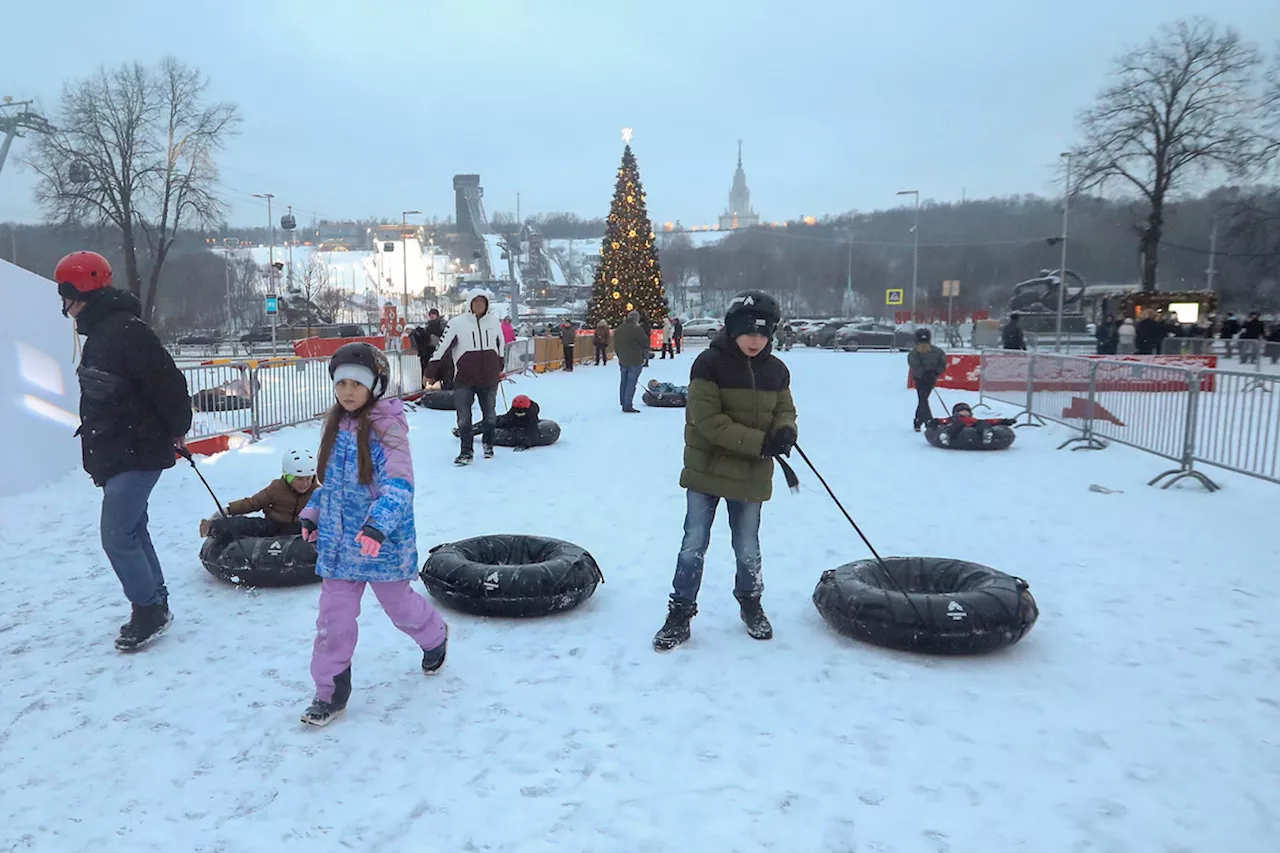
{"type": "Point", "coordinates": [1223, 418]}
{"type": "Point", "coordinates": [1247, 350]}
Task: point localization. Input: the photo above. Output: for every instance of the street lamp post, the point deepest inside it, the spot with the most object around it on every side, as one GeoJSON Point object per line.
{"type": "Point", "coordinates": [271, 254]}
{"type": "Point", "coordinates": [404, 254]}
{"type": "Point", "coordinates": [1062, 271]}
{"type": "Point", "coordinates": [915, 254]}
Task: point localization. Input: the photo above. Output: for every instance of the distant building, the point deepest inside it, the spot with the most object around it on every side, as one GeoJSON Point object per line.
{"type": "Point", "coordinates": [739, 213]}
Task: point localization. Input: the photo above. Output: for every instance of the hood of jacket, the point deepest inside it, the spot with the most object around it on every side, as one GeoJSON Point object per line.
{"type": "Point", "coordinates": [103, 304]}
{"type": "Point", "coordinates": [472, 294]}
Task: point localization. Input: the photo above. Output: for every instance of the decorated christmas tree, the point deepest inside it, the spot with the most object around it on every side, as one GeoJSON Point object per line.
{"type": "Point", "coordinates": [629, 277]}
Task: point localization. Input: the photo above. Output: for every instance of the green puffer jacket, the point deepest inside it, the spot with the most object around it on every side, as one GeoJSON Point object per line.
{"type": "Point", "coordinates": [734, 402]}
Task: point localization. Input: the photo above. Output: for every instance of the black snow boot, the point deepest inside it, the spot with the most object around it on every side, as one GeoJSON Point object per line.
{"type": "Point", "coordinates": [148, 622]}
{"type": "Point", "coordinates": [753, 616]}
{"type": "Point", "coordinates": [488, 451]}
{"type": "Point", "coordinates": [433, 659]}
{"type": "Point", "coordinates": [676, 629]}
{"type": "Point", "coordinates": [320, 713]}
{"type": "Point", "coordinates": [463, 459]}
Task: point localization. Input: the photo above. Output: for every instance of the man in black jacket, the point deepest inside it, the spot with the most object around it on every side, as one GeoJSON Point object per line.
{"type": "Point", "coordinates": [1011, 336]}
{"type": "Point", "coordinates": [134, 413]}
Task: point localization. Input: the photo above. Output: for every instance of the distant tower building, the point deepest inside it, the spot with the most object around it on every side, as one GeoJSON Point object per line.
{"type": "Point", "coordinates": [739, 213]}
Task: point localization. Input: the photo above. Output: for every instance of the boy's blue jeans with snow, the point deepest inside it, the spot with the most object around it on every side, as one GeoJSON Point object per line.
{"type": "Point", "coordinates": [125, 538]}
{"type": "Point", "coordinates": [627, 386]}
{"type": "Point", "coordinates": [744, 528]}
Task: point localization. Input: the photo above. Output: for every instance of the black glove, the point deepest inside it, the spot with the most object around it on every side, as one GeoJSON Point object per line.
{"type": "Point", "coordinates": [779, 442]}
{"type": "Point", "coordinates": [1006, 422]}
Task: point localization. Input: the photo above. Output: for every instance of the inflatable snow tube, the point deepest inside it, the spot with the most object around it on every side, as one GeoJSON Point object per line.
{"type": "Point", "coordinates": [441, 400]}
{"type": "Point", "coordinates": [997, 437]}
{"type": "Point", "coordinates": [665, 400]}
{"type": "Point", "coordinates": [262, 561]}
{"type": "Point", "coordinates": [548, 433]}
{"type": "Point", "coordinates": [926, 604]}
{"type": "Point", "coordinates": [217, 400]}
{"type": "Point", "coordinates": [509, 575]}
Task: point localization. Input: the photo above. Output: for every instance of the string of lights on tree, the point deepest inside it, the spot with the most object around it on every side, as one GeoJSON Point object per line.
{"type": "Point", "coordinates": [629, 277]}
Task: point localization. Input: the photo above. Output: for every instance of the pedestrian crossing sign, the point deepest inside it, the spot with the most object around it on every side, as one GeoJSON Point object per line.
{"type": "Point", "coordinates": [893, 296]}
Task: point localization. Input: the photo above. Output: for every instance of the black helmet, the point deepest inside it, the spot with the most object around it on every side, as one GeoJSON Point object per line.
{"type": "Point", "coordinates": [359, 357]}
{"type": "Point", "coordinates": [923, 335]}
{"type": "Point", "coordinates": [752, 311]}
{"type": "Point", "coordinates": [955, 410]}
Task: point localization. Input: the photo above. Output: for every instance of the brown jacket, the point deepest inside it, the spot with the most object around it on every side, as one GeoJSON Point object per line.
{"type": "Point", "coordinates": [278, 502]}
{"type": "Point", "coordinates": [602, 334]}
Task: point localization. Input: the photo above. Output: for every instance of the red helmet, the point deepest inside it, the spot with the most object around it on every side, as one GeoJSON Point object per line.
{"type": "Point", "coordinates": [80, 273]}
{"type": "Point", "coordinates": [521, 402]}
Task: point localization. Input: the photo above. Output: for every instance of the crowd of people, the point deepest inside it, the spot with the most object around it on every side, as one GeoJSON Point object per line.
{"type": "Point", "coordinates": [1147, 335]}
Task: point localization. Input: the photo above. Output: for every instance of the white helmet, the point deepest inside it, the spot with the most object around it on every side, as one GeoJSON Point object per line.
{"type": "Point", "coordinates": [299, 463]}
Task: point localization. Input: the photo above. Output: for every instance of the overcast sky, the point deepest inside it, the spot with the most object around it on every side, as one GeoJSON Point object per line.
{"type": "Point", "coordinates": [353, 109]}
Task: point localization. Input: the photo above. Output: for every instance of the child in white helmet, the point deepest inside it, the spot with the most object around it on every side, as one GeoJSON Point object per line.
{"type": "Point", "coordinates": [280, 503]}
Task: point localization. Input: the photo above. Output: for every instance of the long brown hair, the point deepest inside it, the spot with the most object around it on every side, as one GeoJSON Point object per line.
{"type": "Point", "coordinates": [330, 434]}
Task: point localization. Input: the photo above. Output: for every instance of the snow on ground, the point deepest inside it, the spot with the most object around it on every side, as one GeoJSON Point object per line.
{"type": "Point", "coordinates": [1141, 713]}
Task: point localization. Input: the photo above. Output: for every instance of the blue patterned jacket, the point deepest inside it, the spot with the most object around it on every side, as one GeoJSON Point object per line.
{"type": "Point", "coordinates": [341, 506]}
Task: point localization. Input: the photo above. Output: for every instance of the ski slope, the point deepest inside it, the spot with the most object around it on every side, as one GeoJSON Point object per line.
{"type": "Point", "coordinates": [1140, 714]}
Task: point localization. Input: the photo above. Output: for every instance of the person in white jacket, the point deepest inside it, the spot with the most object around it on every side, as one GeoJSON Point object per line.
{"type": "Point", "coordinates": [474, 341]}
{"type": "Point", "coordinates": [1126, 336]}
{"type": "Point", "coordinates": [668, 338]}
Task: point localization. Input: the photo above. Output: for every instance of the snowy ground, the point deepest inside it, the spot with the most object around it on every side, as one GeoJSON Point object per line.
{"type": "Point", "coordinates": [1141, 713]}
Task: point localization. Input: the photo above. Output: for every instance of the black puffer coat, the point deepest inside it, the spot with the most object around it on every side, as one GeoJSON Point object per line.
{"type": "Point", "coordinates": [133, 399]}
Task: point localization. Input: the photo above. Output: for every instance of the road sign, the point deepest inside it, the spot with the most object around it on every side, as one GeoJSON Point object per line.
{"type": "Point", "coordinates": [893, 296]}
{"type": "Point", "coordinates": [951, 287]}
{"type": "Point", "coordinates": [273, 305]}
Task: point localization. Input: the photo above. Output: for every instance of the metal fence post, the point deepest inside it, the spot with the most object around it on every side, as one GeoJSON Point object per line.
{"type": "Point", "coordinates": [1186, 466]}
{"type": "Point", "coordinates": [255, 398]}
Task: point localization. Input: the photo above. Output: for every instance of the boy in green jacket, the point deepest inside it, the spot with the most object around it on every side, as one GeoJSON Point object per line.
{"type": "Point", "coordinates": [739, 416]}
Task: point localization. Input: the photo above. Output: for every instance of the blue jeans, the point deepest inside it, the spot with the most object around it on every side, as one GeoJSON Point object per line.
{"type": "Point", "coordinates": [125, 538]}
{"type": "Point", "coordinates": [744, 528]}
{"type": "Point", "coordinates": [627, 387]}
{"type": "Point", "coordinates": [463, 397]}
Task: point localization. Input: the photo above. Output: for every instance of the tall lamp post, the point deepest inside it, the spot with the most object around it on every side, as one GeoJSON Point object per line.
{"type": "Point", "coordinates": [404, 255]}
{"type": "Point", "coordinates": [915, 254]}
{"type": "Point", "coordinates": [271, 269]}
{"type": "Point", "coordinates": [1062, 271]}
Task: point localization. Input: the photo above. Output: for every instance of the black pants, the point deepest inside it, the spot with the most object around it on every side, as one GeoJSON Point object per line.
{"type": "Point", "coordinates": [602, 354]}
{"type": "Point", "coordinates": [679, 342]}
{"type": "Point", "coordinates": [249, 526]}
{"type": "Point", "coordinates": [923, 413]}
{"type": "Point", "coordinates": [568, 357]}
{"type": "Point", "coordinates": [668, 350]}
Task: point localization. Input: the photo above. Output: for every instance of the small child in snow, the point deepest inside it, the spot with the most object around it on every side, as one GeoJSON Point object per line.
{"type": "Point", "coordinates": [962, 418]}
{"type": "Point", "coordinates": [362, 523]}
{"type": "Point", "coordinates": [280, 503]}
{"type": "Point", "coordinates": [657, 387]}
{"type": "Point", "coordinates": [522, 420]}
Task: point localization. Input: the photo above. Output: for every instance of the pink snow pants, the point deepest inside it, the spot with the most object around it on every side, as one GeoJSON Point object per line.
{"type": "Point", "coordinates": [336, 628]}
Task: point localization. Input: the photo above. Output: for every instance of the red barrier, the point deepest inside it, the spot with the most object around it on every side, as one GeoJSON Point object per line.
{"type": "Point", "coordinates": [324, 347]}
{"type": "Point", "coordinates": [1009, 373]}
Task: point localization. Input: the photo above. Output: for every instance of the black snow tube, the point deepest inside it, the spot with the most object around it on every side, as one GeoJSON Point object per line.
{"type": "Point", "coordinates": [665, 400]}
{"type": "Point", "coordinates": [272, 560]}
{"type": "Point", "coordinates": [997, 437]}
{"type": "Point", "coordinates": [949, 607]}
{"type": "Point", "coordinates": [548, 433]}
{"type": "Point", "coordinates": [509, 575]}
{"type": "Point", "coordinates": [442, 400]}
{"type": "Point", "coordinates": [218, 400]}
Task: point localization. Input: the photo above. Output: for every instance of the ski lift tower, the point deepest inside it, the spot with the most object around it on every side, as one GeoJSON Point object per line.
{"type": "Point", "coordinates": [15, 117]}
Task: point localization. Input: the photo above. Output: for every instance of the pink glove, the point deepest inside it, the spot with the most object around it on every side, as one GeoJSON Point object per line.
{"type": "Point", "coordinates": [369, 547]}
{"type": "Point", "coordinates": [310, 534]}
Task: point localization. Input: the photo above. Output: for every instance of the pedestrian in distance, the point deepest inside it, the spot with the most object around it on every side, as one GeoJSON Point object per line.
{"type": "Point", "coordinates": [568, 337]}
{"type": "Point", "coordinates": [601, 340]}
{"type": "Point", "coordinates": [631, 346]}
{"type": "Point", "coordinates": [134, 414]}
{"type": "Point", "coordinates": [740, 415]}
{"type": "Point", "coordinates": [361, 521]}
{"type": "Point", "coordinates": [474, 342]}
{"type": "Point", "coordinates": [677, 334]}
{"type": "Point", "coordinates": [927, 363]}
{"type": "Point", "coordinates": [668, 339]}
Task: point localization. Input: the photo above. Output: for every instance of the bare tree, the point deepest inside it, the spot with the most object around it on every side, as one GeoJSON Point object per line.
{"type": "Point", "coordinates": [311, 289]}
{"type": "Point", "coordinates": [1184, 103]}
{"type": "Point", "coordinates": [135, 149]}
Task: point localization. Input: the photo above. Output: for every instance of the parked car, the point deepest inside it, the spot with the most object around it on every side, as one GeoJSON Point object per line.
{"type": "Point", "coordinates": [198, 339]}
{"type": "Point", "coordinates": [257, 335]}
{"type": "Point", "coordinates": [873, 335]}
{"type": "Point", "coordinates": [699, 327]}
{"type": "Point", "coordinates": [825, 335]}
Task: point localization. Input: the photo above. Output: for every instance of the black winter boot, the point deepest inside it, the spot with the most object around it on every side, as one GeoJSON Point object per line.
{"type": "Point", "coordinates": [676, 629]}
{"type": "Point", "coordinates": [433, 659]}
{"type": "Point", "coordinates": [148, 622]}
{"type": "Point", "coordinates": [753, 615]}
{"type": "Point", "coordinates": [320, 713]}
